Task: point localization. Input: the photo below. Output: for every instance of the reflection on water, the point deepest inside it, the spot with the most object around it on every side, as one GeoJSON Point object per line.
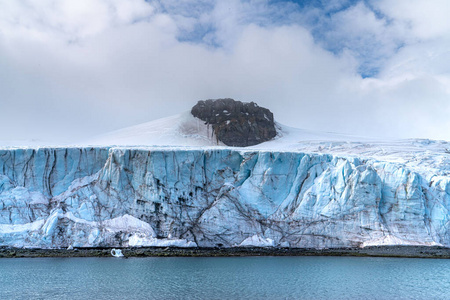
{"type": "Point", "coordinates": [224, 278]}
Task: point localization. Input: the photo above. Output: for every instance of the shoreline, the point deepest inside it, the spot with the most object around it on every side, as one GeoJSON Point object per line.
{"type": "Point", "coordinates": [370, 251]}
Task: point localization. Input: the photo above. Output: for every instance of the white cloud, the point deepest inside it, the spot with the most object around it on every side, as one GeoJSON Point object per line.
{"type": "Point", "coordinates": [67, 19]}
{"type": "Point", "coordinates": [426, 19]}
{"type": "Point", "coordinates": [69, 70]}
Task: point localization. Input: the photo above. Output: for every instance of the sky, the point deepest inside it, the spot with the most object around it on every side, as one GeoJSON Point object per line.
{"type": "Point", "coordinates": [72, 69]}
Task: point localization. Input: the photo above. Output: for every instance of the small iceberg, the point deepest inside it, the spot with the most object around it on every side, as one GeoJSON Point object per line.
{"type": "Point", "coordinates": [116, 252]}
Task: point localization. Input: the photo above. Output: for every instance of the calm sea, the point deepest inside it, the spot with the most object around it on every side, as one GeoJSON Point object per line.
{"type": "Point", "coordinates": [225, 278]}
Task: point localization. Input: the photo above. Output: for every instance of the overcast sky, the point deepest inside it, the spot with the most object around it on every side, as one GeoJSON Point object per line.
{"type": "Point", "coordinates": [71, 69]}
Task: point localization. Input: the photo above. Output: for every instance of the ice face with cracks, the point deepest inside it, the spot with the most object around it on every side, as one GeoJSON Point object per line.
{"type": "Point", "coordinates": [162, 196]}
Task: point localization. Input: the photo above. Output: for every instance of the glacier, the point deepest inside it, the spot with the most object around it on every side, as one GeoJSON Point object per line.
{"type": "Point", "coordinates": [118, 196]}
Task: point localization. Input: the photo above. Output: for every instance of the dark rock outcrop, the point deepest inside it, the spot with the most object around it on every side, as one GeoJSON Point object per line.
{"type": "Point", "coordinates": [236, 123]}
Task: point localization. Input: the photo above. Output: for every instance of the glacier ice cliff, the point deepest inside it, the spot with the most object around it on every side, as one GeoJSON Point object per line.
{"type": "Point", "coordinates": [112, 197]}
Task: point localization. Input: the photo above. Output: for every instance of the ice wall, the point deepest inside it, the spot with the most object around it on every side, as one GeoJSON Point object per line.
{"type": "Point", "coordinates": [78, 197]}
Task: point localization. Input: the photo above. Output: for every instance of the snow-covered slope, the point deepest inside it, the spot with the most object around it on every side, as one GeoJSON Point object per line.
{"type": "Point", "coordinates": [176, 187]}
{"type": "Point", "coordinates": [184, 130]}
{"type": "Point", "coordinates": [178, 130]}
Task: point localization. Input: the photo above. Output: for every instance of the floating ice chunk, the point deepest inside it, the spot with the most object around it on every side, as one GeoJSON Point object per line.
{"type": "Point", "coordinates": [116, 252]}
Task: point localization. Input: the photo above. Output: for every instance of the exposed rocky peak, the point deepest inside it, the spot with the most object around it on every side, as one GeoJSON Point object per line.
{"type": "Point", "coordinates": [236, 123]}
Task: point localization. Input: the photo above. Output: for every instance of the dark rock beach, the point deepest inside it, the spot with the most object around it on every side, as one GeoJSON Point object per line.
{"type": "Point", "coordinates": [375, 251]}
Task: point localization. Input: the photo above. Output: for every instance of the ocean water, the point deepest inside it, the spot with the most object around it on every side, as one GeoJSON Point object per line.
{"type": "Point", "coordinates": [225, 278]}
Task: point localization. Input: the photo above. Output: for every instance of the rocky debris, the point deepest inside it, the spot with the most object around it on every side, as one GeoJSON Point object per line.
{"type": "Point", "coordinates": [376, 251]}
{"type": "Point", "coordinates": [236, 123]}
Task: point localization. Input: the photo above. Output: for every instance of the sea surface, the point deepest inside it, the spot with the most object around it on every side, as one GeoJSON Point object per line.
{"type": "Point", "coordinates": [225, 278]}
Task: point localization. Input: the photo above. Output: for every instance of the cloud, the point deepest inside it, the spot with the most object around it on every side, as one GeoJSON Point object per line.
{"type": "Point", "coordinates": [425, 19]}
{"type": "Point", "coordinates": [360, 32]}
{"type": "Point", "coordinates": [72, 69]}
